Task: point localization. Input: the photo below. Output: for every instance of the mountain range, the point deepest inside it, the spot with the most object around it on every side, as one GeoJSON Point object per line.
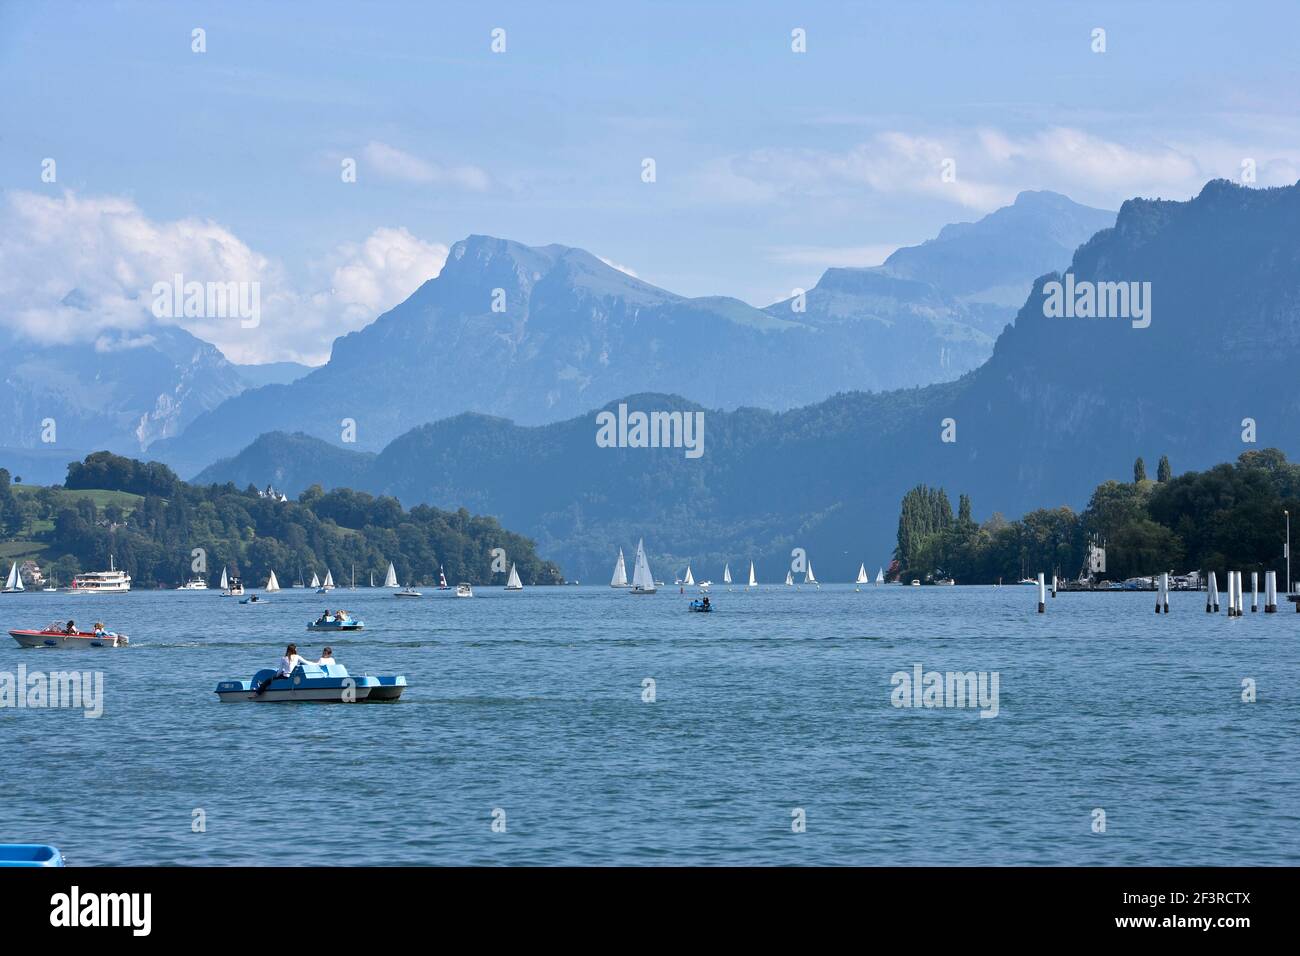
{"type": "Point", "coordinates": [1061, 405]}
{"type": "Point", "coordinates": [540, 334]}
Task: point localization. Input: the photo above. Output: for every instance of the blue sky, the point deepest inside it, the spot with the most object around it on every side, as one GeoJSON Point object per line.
{"type": "Point", "coordinates": [770, 165]}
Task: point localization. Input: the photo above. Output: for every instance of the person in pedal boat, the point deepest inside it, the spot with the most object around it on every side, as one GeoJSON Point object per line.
{"type": "Point", "coordinates": [287, 664]}
{"type": "Point", "coordinates": [327, 657]}
{"type": "Point", "coordinates": [325, 617]}
{"type": "Point", "coordinates": [341, 615]}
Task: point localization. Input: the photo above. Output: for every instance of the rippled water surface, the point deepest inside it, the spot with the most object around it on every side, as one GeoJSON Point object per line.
{"type": "Point", "coordinates": [781, 699]}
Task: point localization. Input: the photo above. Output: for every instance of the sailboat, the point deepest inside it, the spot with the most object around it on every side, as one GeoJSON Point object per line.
{"type": "Point", "coordinates": [789, 578]}
{"type": "Point", "coordinates": [353, 585]}
{"type": "Point", "coordinates": [225, 582]}
{"type": "Point", "coordinates": [643, 581]}
{"type": "Point", "coordinates": [231, 587]}
{"type": "Point", "coordinates": [14, 582]}
{"type": "Point", "coordinates": [862, 574]}
{"type": "Point", "coordinates": [620, 572]}
{"type": "Point", "coordinates": [272, 584]}
{"type": "Point", "coordinates": [329, 583]}
{"type": "Point", "coordinates": [442, 580]}
{"type": "Point", "coordinates": [753, 581]}
{"type": "Point", "coordinates": [514, 584]}
{"type": "Point", "coordinates": [726, 574]}
{"type": "Point", "coordinates": [390, 579]}
{"type": "Point", "coordinates": [315, 581]}
{"type": "Point", "coordinates": [880, 576]}
{"type": "Point", "coordinates": [808, 577]}
{"type": "Point", "coordinates": [689, 579]}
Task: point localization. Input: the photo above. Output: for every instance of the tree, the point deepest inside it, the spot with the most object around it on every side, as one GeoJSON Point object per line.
{"type": "Point", "coordinates": [1139, 471]}
{"type": "Point", "coordinates": [1163, 471]}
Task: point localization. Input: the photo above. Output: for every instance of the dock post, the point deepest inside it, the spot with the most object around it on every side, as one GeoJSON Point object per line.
{"type": "Point", "coordinates": [1238, 599]}
{"type": "Point", "coordinates": [1254, 592]}
{"type": "Point", "coordinates": [1212, 595]}
{"type": "Point", "coordinates": [1162, 599]}
{"type": "Point", "coordinates": [1042, 593]}
{"type": "Point", "coordinates": [1053, 586]}
{"type": "Point", "coordinates": [1270, 592]}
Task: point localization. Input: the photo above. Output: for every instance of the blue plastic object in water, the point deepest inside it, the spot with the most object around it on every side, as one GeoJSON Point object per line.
{"type": "Point", "coordinates": [29, 854]}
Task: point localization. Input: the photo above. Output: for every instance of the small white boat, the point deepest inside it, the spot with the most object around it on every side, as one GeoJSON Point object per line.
{"type": "Point", "coordinates": [643, 581]}
{"type": "Point", "coordinates": [408, 592]}
{"type": "Point", "coordinates": [862, 574]}
{"type": "Point", "coordinates": [789, 579]}
{"type": "Point", "coordinates": [726, 574]}
{"type": "Point", "coordinates": [514, 584]}
{"type": "Point", "coordinates": [231, 586]}
{"type": "Point", "coordinates": [946, 581]}
{"type": "Point", "coordinates": [195, 583]}
{"type": "Point", "coordinates": [442, 580]}
{"type": "Point", "coordinates": [390, 579]}
{"type": "Point", "coordinates": [880, 576]}
{"type": "Point", "coordinates": [271, 583]}
{"type": "Point", "coordinates": [315, 581]}
{"type": "Point", "coordinates": [329, 583]}
{"type": "Point", "coordinates": [753, 581]}
{"type": "Point", "coordinates": [916, 582]}
{"type": "Point", "coordinates": [464, 590]}
{"type": "Point", "coordinates": [620, 572]}
{"type": "Point", "coordinates": [14, 582]}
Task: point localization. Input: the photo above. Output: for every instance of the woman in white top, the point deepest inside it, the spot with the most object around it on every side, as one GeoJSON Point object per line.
{"type": "Point", "coordinates": [287, 664]}
{"type": "Point", "coordinates": [327, 656]}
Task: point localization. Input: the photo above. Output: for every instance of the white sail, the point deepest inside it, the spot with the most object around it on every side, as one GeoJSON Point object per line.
{"type": "Point", "coordinates": [808, 575]}
{"type": "Point", "coordinates": [225, 582]}
{"type": "Point", "coordinates": [620, 572]}
{"type": "Point", "coordinates": [642, 579]}
{"type": "Point", "coordinates": [753, 581]}
{"type": "Point", "coordinates": [329, 579]}
{"type": "Point", "coordinates": [726, 574]}
{"type": "Point", "coordinates": [390, 579]}
{"type": "Point", "coordinates": [862, 574]}
{"type": "Point", "coordinates": [514, 584]}
{"type": "Point", "coordinates": [880, 576]}
{"type": "Point", "coordinates": [272, 584]}
{"type": "Point", "coordinates": [688, 579]}
{"type": "Point", "coordinates": [15, 579]}
{"type": "Point", "coordinates": [315, 581]}
{"type": "Point", "coordinates": [442, 578]}
{"type": "Point", "coordinates": [789, 577]}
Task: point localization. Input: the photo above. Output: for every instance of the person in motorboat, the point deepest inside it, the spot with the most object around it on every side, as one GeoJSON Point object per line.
{"type": "Point", "coordinates": [327, 657]}
{"type": "Point", "coordinates": [70, 628]}
{"type": "Point", "coordinates": [287, 664]}
{"type": "Point", "coordinates": [99, 629]}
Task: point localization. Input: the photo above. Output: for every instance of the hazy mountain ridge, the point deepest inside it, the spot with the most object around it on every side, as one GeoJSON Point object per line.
{"type": "Point", "coordinates": [539, 334]}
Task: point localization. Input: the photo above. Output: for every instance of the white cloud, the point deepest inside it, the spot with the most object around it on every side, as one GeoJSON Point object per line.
{"type": "Point", "coordinates": [614, 265]}
{"type": "Point", "coordinates": [389, 162]}
{"type": "Point", "coordinates": [82, 269]}
{"type": "Point", "coordinates": [991, 167]}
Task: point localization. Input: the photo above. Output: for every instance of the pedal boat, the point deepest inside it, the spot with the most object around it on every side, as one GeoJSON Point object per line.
{"type": "Point", "coordinates": [701, 607]}
{"type": "Point", "coordinates": [336, 625]}
{"type": "Point", "coordinates": [29, 854]}
{"type": "Point", "coordinates": [314, 683]}
{"type": "Point", "coordinates": [56, 636]}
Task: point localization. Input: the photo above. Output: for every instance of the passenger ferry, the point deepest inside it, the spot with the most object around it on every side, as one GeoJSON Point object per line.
{"type": "Point", "coordinates": [101, 582]}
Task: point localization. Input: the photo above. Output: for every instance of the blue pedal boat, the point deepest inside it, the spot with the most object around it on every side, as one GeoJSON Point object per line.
{"type": "Point", "coordinates": [334, 624]}
{"type": "Point", "coordinates": [318, 683]}
{"type": "Point", "coordinates": [701, 607]}
{"type": "Point", "coordinates": [29, 854]}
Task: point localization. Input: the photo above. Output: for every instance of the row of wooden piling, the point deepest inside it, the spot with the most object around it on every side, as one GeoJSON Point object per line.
{"type": "Point", "coordinates": [1236, 597]}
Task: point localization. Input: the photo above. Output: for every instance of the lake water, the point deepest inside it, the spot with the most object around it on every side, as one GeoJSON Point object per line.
{"type": "Point", "coordinates": [532, 703]}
